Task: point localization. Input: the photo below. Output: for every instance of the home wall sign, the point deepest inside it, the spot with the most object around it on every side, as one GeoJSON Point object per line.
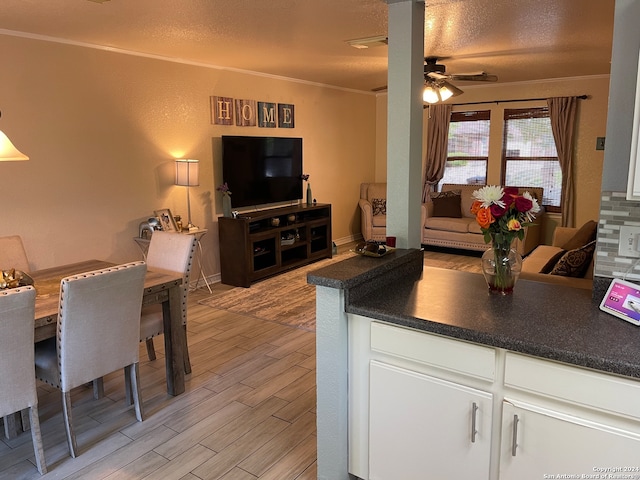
{"type": "Point", "coordinates": [249, 113]}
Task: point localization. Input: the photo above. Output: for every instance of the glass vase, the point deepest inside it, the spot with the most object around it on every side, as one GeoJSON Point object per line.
{"type": "Point", "coordinates": [501, 266]}
{"type": "Point", "coordinates": [309, 195]}
{"type": "Point", "coordinates": [226, 205]}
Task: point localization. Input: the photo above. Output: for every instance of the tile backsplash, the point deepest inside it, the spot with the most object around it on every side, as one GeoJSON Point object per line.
{"type": "Point", "coordinates": [615, 211]}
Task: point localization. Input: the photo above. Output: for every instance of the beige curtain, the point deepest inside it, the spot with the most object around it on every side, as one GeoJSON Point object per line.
{"type": "Point", "coordinates": [562, 112]}
{"type": "Point", "coordinates": [437, 140]}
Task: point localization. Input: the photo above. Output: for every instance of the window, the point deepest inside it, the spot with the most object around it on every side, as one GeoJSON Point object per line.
{"type": "Point", "coordinates": [529, 155]}
{"type": "Point", "coordinates": [468, 148]}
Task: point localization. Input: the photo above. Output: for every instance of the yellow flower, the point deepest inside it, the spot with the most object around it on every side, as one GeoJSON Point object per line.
{"type": "Point", "coordinates": [514, 225]}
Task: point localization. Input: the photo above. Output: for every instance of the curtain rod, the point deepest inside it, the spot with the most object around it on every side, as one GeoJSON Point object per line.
{"type": "Point", "coordinates": [581, 97]}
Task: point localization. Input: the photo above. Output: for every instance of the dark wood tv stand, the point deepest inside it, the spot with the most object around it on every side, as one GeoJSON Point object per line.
{"type": "Point", "coordinates": [260, 244]}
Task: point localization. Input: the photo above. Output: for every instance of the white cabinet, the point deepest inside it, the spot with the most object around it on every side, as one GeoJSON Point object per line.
{"type": "Point", "coordinates": [543, 443]}
{"type": "Point", "coordinates": [422, 427]}
{"type": "Point", "coordinates": [424, 406]}
{"type": "Point", "coordinates": [633, 185]}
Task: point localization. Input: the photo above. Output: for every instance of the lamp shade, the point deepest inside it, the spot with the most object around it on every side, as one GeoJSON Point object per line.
{"type": "Point", "coordinates": [187, 172]}
{"type": "Point", "coordinates": [439, 91]}
{"type": "Point", "coordinates": [8, 152]}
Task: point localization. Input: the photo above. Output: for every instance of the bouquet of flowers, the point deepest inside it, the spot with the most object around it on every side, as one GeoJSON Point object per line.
{"type": "Point", "coordinates": [224, 188]}
{"type": "Point", "coordinates": [502, 215]}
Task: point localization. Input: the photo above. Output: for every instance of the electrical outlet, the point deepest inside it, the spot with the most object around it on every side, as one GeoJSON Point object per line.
{"type": "Point", "coordinates": [629, 245]}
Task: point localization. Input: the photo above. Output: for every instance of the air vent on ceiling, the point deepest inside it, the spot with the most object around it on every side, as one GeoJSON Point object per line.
{"type": "Point", "coordinates": [368, 42]}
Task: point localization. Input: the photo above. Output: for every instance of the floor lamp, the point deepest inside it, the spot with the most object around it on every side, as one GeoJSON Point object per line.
{"type": "Point", "coordinates": [187, 176]}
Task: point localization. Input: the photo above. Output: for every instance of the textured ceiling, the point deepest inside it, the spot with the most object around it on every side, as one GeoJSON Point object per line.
{"type": "Point", "coordinates": [518, 40]}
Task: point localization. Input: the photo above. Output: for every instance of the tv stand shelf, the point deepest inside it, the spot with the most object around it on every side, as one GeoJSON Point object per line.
{"type": "Point", "coordinates": [251, 245]}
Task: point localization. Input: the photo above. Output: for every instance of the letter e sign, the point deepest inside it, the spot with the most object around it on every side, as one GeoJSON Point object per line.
{"type": "Point", "coordinates": [285, 115]}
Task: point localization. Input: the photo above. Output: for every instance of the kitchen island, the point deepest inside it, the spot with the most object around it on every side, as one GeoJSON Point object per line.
{"type": "Point", "coordinates": [545, 351]}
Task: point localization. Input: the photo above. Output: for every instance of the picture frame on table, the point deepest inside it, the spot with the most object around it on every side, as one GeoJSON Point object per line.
{"type": "Point", "coordinates": [166, 219]}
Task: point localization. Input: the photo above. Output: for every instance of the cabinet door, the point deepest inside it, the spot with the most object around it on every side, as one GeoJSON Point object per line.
{"type": "Point", "coordinates": [541, 443]}
{"type": "Point", "coordinates": [421, 427]}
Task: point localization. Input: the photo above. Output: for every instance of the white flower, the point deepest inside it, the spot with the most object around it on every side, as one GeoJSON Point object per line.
{"type": "Point", "coordinates": [535, 208]}
{"type": "Point", "coordinates": [489, 195]}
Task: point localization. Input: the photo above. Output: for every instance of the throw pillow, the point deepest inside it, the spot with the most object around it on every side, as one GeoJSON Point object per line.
{"type": "Point", "coordinates": [584, 235]}
{"type": "Point", "coordinates": [552, 262]}
{"type": "Point", "coordinates": [575, 263]}
{"type": "Point", "coordinates": [447, 204]}
{"type": "Point", "coordinates": [379, 206]}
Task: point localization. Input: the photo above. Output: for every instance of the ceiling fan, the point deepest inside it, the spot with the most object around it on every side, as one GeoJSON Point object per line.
{"type": "Point", "coordinates": [437, 88]}
{"type": "Point", "coordinates": [437, 71]}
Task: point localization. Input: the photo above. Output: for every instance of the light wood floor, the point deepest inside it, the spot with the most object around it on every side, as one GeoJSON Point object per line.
{"type": "Point", "coordinates": [248, 411]}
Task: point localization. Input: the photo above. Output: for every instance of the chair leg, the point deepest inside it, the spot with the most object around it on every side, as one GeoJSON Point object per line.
{"type": "Point", "coordinates": [151, 351]}
{"type": "Point", "coordinates": [24, 417]}
{"type": "Point", "coordinates": [98, 388]}
{"type": "Point", "coordinates": [11, 426]}
{"type": "Point", "coordinates": [68, 423]}
{"type": "Point", "coordinates": [133, 378]}
{"type": "Point", "coordinates": [185, 353]}
{"type": "Point", "coordinates": [36, 437]}
{"type": "Point", "coordinates": [128, 395]}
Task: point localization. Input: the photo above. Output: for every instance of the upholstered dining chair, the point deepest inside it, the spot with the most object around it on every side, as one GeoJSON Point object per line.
{"type": "Point", "coordinates": [13, 254]}
{"type": "Point", "coordinates": [172, 253]}
{"type": "Point", "coordinates": [98, 330]}
{"type": "Point", "coordinates": [17, 379]}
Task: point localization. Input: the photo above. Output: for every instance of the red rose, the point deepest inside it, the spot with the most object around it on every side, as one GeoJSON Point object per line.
{"type": "Point", "coordinates": [497, 211]}
{"type": "Point", "coordinates": [523, 204]}
{"type": "Point", "coordinates": [507, 199]}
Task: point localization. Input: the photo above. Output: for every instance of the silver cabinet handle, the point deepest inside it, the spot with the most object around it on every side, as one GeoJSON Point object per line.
{"type": "Point", "coordinates": [474, 431]}
{"type": "Point", "coordinates": [514, 441]}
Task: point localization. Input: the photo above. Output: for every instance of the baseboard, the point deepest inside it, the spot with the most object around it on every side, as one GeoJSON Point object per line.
{"type": "Point", "coordinates": [348, 239]}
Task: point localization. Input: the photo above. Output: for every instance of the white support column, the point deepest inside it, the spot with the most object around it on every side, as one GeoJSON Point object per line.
{"type": "Point", "coordinates": [404, 121]}
{"type": "Point", "coordinates": [332, 362]}
{"type": "Point", "coordinates": [404, 191]}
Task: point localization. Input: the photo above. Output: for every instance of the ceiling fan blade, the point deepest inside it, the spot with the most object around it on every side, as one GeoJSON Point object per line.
{"type": "Point", "coordinates": [474, 77]}
{"type": "Point", "coordinates": [437, 75]}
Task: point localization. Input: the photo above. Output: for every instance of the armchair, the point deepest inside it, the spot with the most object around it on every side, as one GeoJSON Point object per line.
{"type": "Point", "coordinates": [373, 211]}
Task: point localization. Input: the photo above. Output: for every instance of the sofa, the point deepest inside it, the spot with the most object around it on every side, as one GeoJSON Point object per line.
{"type": "Point", "coordinates": [446, 225]}
{"type": "Point", "coordinates": [373, 211]}
{"type": "Point", "coordinates": [573, 246]}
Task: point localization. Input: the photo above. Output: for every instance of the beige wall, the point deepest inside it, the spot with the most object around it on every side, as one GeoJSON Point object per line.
{"type": "Point", "coordinates": [592, 118]}
{"type": "Point", "coordinates": [102, 130]}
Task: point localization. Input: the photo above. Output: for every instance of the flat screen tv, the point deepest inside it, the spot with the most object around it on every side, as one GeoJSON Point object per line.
{"type": "Point", "coordinates": [261, 170]}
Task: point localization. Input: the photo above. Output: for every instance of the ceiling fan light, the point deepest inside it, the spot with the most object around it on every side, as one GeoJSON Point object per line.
{"type": "Point", "coordinates": [430, 94]}
{"type": "Point", "coordinates": [455, 91]}
{"type": "Point", "coordinates": [445, 93]}
{"type": "Point", "coordinates": [439, 91]}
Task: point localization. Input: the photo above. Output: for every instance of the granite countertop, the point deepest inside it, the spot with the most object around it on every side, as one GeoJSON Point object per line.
{"type": "Point", "coordinates": [544, 320]}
